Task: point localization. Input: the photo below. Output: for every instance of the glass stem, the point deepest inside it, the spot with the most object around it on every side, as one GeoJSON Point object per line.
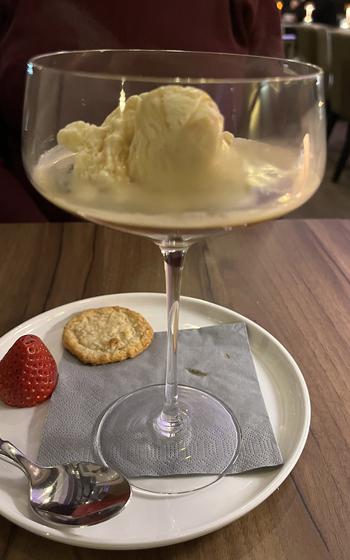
{"type": "Point", "coordinates": [169, 422]}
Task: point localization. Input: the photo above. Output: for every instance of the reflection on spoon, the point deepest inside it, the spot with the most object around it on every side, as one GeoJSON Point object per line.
{"type": "Point", "coordinates": [71, 494]}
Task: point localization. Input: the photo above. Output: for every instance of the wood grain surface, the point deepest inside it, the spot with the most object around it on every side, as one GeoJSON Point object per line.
{"type": "Point", "coordinates": [290, 276]}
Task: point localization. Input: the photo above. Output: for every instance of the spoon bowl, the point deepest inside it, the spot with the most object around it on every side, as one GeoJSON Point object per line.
{"type": "Point", "coordinates": [77, 493]}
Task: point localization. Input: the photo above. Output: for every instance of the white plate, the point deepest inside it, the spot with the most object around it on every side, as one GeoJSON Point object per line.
{"type": "Point", "coordinates": [150, 520]}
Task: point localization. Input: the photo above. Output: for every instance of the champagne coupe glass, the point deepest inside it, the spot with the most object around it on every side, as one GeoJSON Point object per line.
{"type": "Point", "coordinates": [274, 162]}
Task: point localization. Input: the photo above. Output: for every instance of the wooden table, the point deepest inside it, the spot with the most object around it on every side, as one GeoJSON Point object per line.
{"type": "Point", "coordinates": [293, 278]}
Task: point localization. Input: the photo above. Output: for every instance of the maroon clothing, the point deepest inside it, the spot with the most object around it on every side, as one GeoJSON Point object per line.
{"type": "Point", "coordinates": [30, 27]}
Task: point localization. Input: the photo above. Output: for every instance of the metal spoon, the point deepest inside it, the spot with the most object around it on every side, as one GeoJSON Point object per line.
{"type": "Point", "coordinates": [71, 494]}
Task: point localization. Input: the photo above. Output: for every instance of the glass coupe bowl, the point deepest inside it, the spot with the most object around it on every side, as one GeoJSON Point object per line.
{"type": "Point", "coordinates": [271, 161]}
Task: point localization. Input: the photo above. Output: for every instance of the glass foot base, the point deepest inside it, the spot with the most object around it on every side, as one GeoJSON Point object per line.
{"type": "Point", "coordinates": [197, 455]}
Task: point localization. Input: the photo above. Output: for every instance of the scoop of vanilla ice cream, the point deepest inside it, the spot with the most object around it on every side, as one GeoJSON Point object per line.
{"type": "Point", "coordinates": [178, 134]}
{"type": "Point", "coordinates": [101, 152]}
{"type": "Point", "coordinates": [168, 137]}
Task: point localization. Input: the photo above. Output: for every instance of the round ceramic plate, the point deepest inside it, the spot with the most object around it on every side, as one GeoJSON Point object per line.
{"type": "Point", "coordinates": [151, 520]}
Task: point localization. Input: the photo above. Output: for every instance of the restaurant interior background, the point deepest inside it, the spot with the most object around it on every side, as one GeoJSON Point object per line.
{"type": "Point", "coordinates": [319, 33]}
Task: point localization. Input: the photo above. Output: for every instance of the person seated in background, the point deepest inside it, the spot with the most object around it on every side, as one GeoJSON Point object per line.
{"type": "Point", "coordinates": [297, 8]}
{"type": "Point", "coordinates": [31, 27]}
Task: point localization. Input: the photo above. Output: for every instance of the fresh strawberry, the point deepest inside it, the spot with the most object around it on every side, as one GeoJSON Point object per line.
{"type": "Point", "coordinates": [28, 373]}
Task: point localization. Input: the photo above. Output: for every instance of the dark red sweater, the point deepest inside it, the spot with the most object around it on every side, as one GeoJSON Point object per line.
{"type": "Point", "coordinates": [29, 27]}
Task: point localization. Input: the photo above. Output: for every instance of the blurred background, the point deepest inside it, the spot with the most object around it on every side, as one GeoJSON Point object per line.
{"type": "Point", "coordinates": [319, 32]}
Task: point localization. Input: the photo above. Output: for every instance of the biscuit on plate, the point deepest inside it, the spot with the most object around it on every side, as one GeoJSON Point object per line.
{"type": "Point", "coordinates": [107, 334]}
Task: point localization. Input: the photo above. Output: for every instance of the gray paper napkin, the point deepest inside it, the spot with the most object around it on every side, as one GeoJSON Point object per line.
{"type": "Point", "coordinates": [222, 352]}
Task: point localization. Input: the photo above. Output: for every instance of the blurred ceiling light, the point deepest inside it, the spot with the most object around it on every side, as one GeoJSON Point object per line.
{"type": "Point", "coordinates": [345, 22]}
{"type": "Point", "coordinates": [122, 97]}
{"type": "Point", "coordinates": [309, 8]}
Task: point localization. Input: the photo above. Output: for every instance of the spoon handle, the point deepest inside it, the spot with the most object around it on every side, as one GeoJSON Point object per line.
{"type": "Point", "coordinates": [6, 459]}
{"type": "Point", "coordinates": [9, 450]}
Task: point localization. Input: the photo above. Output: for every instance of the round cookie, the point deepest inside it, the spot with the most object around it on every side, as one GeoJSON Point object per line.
{"type": "Point", "coordinates": [107, 334]}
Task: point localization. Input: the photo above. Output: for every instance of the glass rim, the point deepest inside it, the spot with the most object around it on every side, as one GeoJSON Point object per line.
{"type": "Point", "coordinates": [38, 61]}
